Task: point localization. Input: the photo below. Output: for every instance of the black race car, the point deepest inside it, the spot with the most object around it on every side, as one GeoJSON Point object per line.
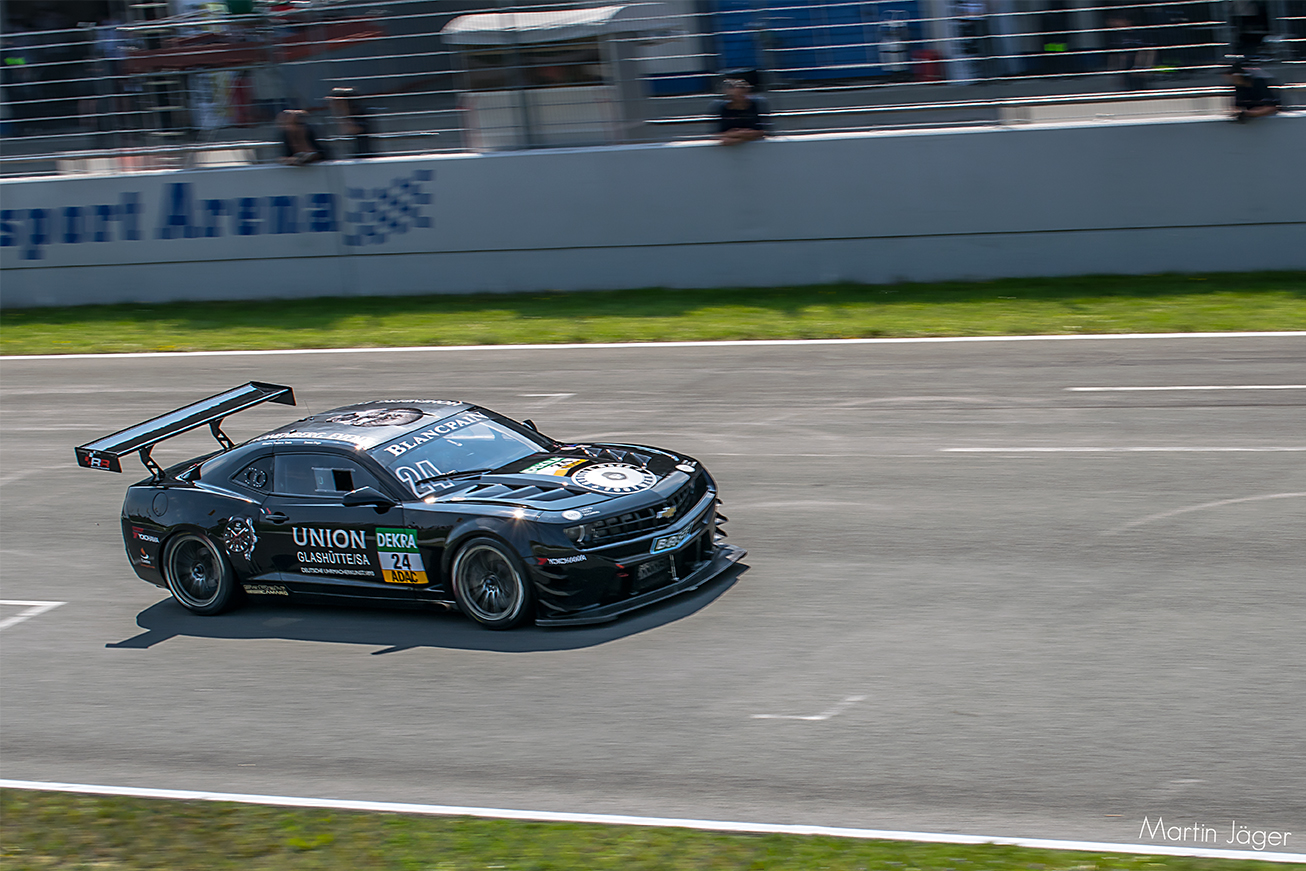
{"type": "Point", "coordinates": [415, 502]}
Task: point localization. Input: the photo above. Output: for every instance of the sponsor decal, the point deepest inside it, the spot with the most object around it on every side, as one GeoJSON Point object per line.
{"type": "Point", "coordinates": [324, 436]}
{"type": "Point", "coordinates": [266, 589]}
{"type": "Point", "coordinates": [341, 539]}
{"type": "Point", "coordinates": [651, 567]}
{"type": "Point", "coordinates": [417, 402]}
{"type": "Point", "coordinates": [141, 534]}
{"type": "Point", "coordinates": [591, 511]}
{"type": "Point", "coordinates": [440, 430]}
{"type": "Point", "coordinates": [617, 478]}
{"type": "Point", "coordinates": [95, 462]}
{"type": "Point", "coordinates": [338, 572]}
{"type": "Point", "coordinates": [671, 542]}
{"type": "Point", "coordinates": [400, 561]}
{"type": "Point", "coordinates": [572, 514]}
{"type": "Point", "coordinates": [378, 417]}
{"type": "Point", "coordinates": [239, 537]}
{"type": "Point", "coordinates": [559, 467]}
{"type": "Point", "coordinates": [343, 552]}
{"type": "Point", "coordinates": [565, 560]}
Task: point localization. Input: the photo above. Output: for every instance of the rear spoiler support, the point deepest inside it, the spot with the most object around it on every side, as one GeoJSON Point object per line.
{"type": "Point", "coordinates": [107, 453]}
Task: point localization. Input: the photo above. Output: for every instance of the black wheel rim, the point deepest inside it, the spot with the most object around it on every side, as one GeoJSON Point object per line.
{"type": "Point", "coordinates": [489, 584]}
{"type": "Point", "coordinates": [195, 571]}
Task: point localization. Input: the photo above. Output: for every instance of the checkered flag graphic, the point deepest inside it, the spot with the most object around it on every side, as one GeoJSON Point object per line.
{"type": "Point", "coordinates": [376, 214]}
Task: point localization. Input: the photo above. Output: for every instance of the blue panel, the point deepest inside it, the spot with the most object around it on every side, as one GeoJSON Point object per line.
{"type": "Point", "coordinates": [808, 40]}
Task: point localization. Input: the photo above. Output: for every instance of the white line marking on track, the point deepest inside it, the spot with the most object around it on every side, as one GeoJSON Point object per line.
{"type": "Point", "coordinates": [1197, 387]}
{"type": "Point", "coordinates": [760, 343]}
{"type": "Point", "coordinates": [1140, 450]}
{"type": "Point", "coordinates": [33, 609]}
{"type": "Point", "coordinates": [550, 398]}
{"type": "Point", "coordinates": [1164, 514]}
{"type": "Point", "coordinates": [661, 822]}
{"type": "Point", "coordinates": [838, 709]}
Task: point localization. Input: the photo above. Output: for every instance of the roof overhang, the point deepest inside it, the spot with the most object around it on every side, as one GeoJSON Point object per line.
{"type": "Point", "coordinates": [649, 20]}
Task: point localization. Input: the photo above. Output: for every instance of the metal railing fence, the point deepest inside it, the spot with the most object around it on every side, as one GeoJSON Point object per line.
{"type": "Point", "coordinates": [149, 85]}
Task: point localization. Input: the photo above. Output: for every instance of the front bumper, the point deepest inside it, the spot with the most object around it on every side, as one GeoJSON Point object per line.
{"type": "Point", "coordinates": [723, 556]}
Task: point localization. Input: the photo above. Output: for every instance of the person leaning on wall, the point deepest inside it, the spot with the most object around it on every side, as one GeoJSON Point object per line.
{"type": "Point", "coordinates": [1252, 95]}
{"type": "Point", "coordinates": [741, 115]}
{"type": "Point", "coordinates": [299, 145]}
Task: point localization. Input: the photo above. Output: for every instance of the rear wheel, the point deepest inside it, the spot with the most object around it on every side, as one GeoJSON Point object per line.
{"type": "Point", "coordinates": [198, 575]}
{"type": "Point", "coordinates": [490, 585]}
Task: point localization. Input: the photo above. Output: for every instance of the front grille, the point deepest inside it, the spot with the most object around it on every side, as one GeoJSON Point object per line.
{"type": "Point", "coordinates": [633, 524]}
{"type": "Point", "coordinates": [624, 526]}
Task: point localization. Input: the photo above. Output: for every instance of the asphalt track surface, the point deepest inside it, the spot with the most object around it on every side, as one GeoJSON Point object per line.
{"type": "Point", "coordinates": [1097, 616]}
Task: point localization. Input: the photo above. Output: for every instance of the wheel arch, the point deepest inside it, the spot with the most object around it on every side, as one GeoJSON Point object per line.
{"type": "Point", "coordinates": [479, 527]}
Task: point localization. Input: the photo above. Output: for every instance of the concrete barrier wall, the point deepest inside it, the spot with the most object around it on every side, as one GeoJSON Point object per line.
{"type": "Point", "coordinates": [872, 207]}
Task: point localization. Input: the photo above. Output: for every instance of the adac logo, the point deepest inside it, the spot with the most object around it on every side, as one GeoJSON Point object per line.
{"type": "Point", "coordinates": [376, 214]}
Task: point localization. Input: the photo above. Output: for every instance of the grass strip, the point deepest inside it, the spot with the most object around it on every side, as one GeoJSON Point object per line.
{"type": "Point", "coordinates": [42, 830]}
{"type": "Point", "coordinates": [1217, 302]}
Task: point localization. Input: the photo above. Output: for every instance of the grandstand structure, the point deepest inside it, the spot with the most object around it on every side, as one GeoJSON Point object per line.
{"type": "Point", "coordinates": [122, 85]}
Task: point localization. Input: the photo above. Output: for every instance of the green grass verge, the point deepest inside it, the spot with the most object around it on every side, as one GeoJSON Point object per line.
{"type": "Point", "coordinates": [1093, 304]}
{"type": "Point", "coordinates": [52, 830]}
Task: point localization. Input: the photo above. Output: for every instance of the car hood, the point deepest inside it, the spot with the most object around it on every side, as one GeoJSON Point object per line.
{"type": "Point", "coordinates": [576, 477]}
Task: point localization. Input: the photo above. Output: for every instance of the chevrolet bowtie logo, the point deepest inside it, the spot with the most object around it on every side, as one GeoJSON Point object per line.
{"type": "Point", "coordinates": [667, 513]}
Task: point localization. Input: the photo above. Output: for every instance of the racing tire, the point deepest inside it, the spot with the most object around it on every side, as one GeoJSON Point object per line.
{"type": "Point", "coordinates": [490, 585]}
{"type": "Point", "coordinates": [198, 575]}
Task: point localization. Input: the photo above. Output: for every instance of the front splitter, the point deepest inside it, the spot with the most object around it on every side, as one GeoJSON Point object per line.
{"type": "Point", "coordinates": [725, 556]}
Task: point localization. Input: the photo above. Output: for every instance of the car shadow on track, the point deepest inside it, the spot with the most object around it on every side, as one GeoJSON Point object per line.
{"type": "Point", "coordinates": [395, 630]}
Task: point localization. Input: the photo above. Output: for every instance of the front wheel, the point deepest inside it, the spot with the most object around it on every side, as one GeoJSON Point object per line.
{"type": "Point", "coordinates": [198, 575]}
{"type": "Point", "coordinates": [490, 585]}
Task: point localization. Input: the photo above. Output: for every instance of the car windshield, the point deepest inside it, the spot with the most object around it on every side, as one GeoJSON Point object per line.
{"type": "Point", "coordinates": [469, 442]}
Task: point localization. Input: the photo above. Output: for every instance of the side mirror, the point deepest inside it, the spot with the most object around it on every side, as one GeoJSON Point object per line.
{"type": "Point", "coordinates": [530, 423]}
{"type": "Point", "coordinates": [367, 496]}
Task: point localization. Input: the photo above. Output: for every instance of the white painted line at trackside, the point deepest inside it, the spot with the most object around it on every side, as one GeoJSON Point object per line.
{"type": "Point", "coordinates": [600, 346]}
{"type": "Point", "coordinates": [31, 609]}
{"type": "Point", "coordinates": [1205, 505]}
{"type": "Point", "coordinates": [1193, 387]}
{"type": "Point", "coordinates": [661, 822]}
{"type": "Point", "coordinates": [1139, 450]}
{"type": "Point", "coordinates": [839, 708]}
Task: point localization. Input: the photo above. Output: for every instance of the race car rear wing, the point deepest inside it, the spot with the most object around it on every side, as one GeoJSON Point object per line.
{"type": "Point", "coordinates": [107, 453]}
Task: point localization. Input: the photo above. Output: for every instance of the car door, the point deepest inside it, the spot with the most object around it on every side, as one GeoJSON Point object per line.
{"type": "Point", "coordinates": [315, 542]}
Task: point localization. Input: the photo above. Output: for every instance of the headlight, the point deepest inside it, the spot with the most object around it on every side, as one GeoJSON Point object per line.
{"type": "Point", "coordinates": [576, 533]}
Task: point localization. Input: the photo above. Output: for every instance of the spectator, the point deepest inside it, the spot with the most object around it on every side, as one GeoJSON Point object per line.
{"type": "Point", "coordinates": [1252, 95]}
{"type": "Point", "coordinates": [353, 120]}
{"type": "Point", "coordinates": [741, 117]}
{"type": "Point", "coordinates": [299, 145]}
{"type": "Point", "coordinates": [1130, 54]}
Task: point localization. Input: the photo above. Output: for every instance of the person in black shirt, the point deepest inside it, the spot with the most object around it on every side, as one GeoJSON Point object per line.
{"type": "Point", "coordinates": [741, 117]}
{"type": "Point", "coordinates": [353, 120]}
{"type": "Point", "coordinates": [299, 145]}
{"type": "Point", "coordinates": [1252, 95]}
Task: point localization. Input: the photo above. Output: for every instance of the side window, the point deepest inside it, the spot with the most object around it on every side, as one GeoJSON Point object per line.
{"type": "Point", "coordinates": [257, 476]}
{"type": "Point", "coordinates": [320, 475]}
